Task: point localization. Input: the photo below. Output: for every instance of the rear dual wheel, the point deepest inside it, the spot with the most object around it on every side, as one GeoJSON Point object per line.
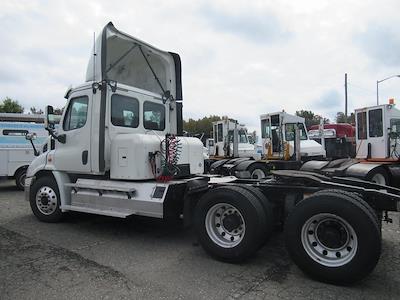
{"type": "Point", "coordinates": [230, 223]}
{"type": "Point", "coordinates": [334, 237]}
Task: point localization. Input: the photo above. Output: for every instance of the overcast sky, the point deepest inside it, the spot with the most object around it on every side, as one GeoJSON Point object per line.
{"type": "Point", "coordinates": [239, 58]}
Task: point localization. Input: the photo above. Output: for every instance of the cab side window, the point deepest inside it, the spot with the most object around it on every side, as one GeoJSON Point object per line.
{"type": "Point", "coordinates": [76, 114]}
{"type": "Point", "coordinates": [153, 116]}
{"type": "Point", "coordinates": [124, 111]}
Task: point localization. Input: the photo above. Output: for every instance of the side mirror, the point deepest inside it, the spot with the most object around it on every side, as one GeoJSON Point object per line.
{"type": "Point", "coordinates": [31, 136]}
{"type": "Point", "coordinates": [49, 120]}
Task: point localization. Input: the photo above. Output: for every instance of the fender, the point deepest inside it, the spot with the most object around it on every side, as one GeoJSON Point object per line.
{"type": "Point", "coordinates": [314, 165]}
{"type": "Point", "coordinates": [65, 192]}
{"type": "Point", "coordinates": [216, 166]}
{"type": "Point", "coordinates": [361, 170]}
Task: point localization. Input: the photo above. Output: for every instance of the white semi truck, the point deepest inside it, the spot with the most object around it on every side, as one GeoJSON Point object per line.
{"type": "Point", "coordinates": [118, 152]}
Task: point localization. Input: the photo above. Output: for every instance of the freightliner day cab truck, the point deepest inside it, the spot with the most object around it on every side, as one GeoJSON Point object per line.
{"type": "Point", "coordinates": [118, 152]}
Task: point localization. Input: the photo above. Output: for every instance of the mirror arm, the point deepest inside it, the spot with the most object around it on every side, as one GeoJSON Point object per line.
{"type": "Point", "coordinates": [35, 152]}
{"type": "Point", "coordinates": [62, 138]}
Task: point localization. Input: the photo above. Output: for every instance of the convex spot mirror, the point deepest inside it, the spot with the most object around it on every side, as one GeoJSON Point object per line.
{"type": "Point", "coordinates": [31, 136]}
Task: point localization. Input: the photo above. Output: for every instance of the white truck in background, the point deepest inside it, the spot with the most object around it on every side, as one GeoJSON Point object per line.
{"type": "Point", "coordinates": [16, 152]}
{"type": "Point", "coordinates": [119, 151]}
{"type": "Point", "coordinates": [279, 151]}
{"type": "Point", "coordinates": [222, 145]}
{"type": "Point", "coordinates": [278, 137]}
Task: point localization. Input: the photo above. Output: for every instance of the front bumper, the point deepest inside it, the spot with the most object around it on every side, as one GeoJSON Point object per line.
{"type": "Point", "coordinates": [28, 183]}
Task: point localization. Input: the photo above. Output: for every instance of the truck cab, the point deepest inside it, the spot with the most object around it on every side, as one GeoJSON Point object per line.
{"type": "Point", "coordinates": [278, 137]}
{"type": "Point", "coordinates": [223, 136]}
{"type": "Point", "coordinates": [121, 129]}
{"type": "Point", "coordinates": [377, 132]}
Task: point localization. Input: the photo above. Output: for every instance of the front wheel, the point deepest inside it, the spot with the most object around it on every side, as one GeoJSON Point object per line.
{"type": "Point", "coordinates": [333, 238]}
{"type": "Point", "coordinates": [45, 200]}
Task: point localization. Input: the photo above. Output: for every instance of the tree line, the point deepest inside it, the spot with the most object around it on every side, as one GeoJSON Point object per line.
{"type": "Point", "coordinates": [8, 105]}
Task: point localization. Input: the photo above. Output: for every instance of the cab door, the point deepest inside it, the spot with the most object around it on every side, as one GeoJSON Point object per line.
{"type": "Point", "coordinates": [73, 155]}
{"type": "Point", "coordinates": [376, 137]}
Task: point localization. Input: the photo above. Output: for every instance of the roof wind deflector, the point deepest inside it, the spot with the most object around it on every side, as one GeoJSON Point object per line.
{"type": "Point", "coordinates": [132, 62]}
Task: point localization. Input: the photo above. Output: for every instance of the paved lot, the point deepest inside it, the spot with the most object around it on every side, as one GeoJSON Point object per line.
{"type": "Point", "coordinates": [91, 257]}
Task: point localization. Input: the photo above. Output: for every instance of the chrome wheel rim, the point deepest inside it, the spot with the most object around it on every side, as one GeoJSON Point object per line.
{"type": "Point", "coordinates": [329, 240]}
{"type": "Point", "coordinates": [46, 200]}
{"type": "Point", "coordinates": [379, 179]}
{"type": "Point", "coordinates": [257, 174]}
{"type": "Point", "coordinates": [225, 225]}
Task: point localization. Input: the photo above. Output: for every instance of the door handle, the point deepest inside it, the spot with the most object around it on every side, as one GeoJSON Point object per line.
{"type": "Point", "coordinates": [85, 155]}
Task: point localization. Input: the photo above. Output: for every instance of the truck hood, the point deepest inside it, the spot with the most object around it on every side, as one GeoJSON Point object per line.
{"type": "Point", "coordinates": [310, 148]}
{"type": "Point", "coordinates": [120, 57]}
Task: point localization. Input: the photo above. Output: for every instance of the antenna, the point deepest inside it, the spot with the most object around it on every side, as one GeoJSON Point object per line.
{"type": "Point", "coordinates": [94, 56]}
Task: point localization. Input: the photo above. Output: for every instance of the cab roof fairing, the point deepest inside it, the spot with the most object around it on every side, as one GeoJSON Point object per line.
{"type": "Point", "coordinates": [286, 117]}
{"type": "Point", "coordinates": [119, 57]}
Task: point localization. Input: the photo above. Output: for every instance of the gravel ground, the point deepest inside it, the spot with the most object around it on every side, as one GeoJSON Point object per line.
{"type": "Point", "coordinates": [92, 257]}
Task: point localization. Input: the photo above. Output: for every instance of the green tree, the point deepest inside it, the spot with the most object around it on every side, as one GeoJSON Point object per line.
{"type": "Point", "coordinates": [311, 118]}
{"type": "Point", "coordinates": [341, 118]}
{"type": "Point", "coordinates": [9, 105]}
{"type": "Point", "coordinates": [200, 126]}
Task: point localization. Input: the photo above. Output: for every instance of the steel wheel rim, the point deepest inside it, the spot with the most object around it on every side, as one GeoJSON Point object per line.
{"type": "Point", "coordinates": [313, 237]}
{"type": "Point", "coordinates": [220, 233]}
{"type": "Point", "coordinates": [257, 174]}
{"type": "Point", "coordinates": [46, 200]}
{"type": "Point", "coordinates": [379, 179]}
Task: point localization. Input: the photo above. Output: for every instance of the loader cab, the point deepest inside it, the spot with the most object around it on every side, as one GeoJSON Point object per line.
{"type": "Point", "coordinates": [378, 132]}
{"type": "Point", "coordinates": [223, 134]}
{"type": "Point", "coordinates": [278, 137]}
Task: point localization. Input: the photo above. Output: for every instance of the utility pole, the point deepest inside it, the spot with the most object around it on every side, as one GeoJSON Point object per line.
{"type": "Point", "coordinates": [345, 96]}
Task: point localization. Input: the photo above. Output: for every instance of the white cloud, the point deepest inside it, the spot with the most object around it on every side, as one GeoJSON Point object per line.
{"type": "Point", "coordinates": [246, 58]}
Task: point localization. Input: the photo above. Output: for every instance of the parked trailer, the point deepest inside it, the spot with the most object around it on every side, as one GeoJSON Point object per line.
{"type": "Point", "coordinates": [117, 153]}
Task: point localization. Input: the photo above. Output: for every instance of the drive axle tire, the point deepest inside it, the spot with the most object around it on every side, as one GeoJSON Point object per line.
{"type": "Point", "coordinates": [268, 211]}
{"type": "Point", "coordinates": [379, 175]}
{"type": "Point", "coordinates": [45, 200]}
{"type": "Point", "coordinates": [333, 238]}
{"type": "Point", "coordinates": [357, 197]}
{"type": "Point", "coordinates": [230, 223]}
{"type": "Point", "coordinates": [257, 171]}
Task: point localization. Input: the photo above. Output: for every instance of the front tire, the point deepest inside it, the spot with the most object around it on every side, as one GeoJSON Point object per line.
{"type": "Point", "coordinates": [333, 238]}
{"type": "Point", "coordinates": [45, 200]}
{"type": "Point", "coordinates": [230, 223]}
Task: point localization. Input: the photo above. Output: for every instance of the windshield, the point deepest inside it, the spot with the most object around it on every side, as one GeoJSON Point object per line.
{"type": "Point", "coordinates": [290, 132]}
{"type": "Point", "coordinates": [242, 134]}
